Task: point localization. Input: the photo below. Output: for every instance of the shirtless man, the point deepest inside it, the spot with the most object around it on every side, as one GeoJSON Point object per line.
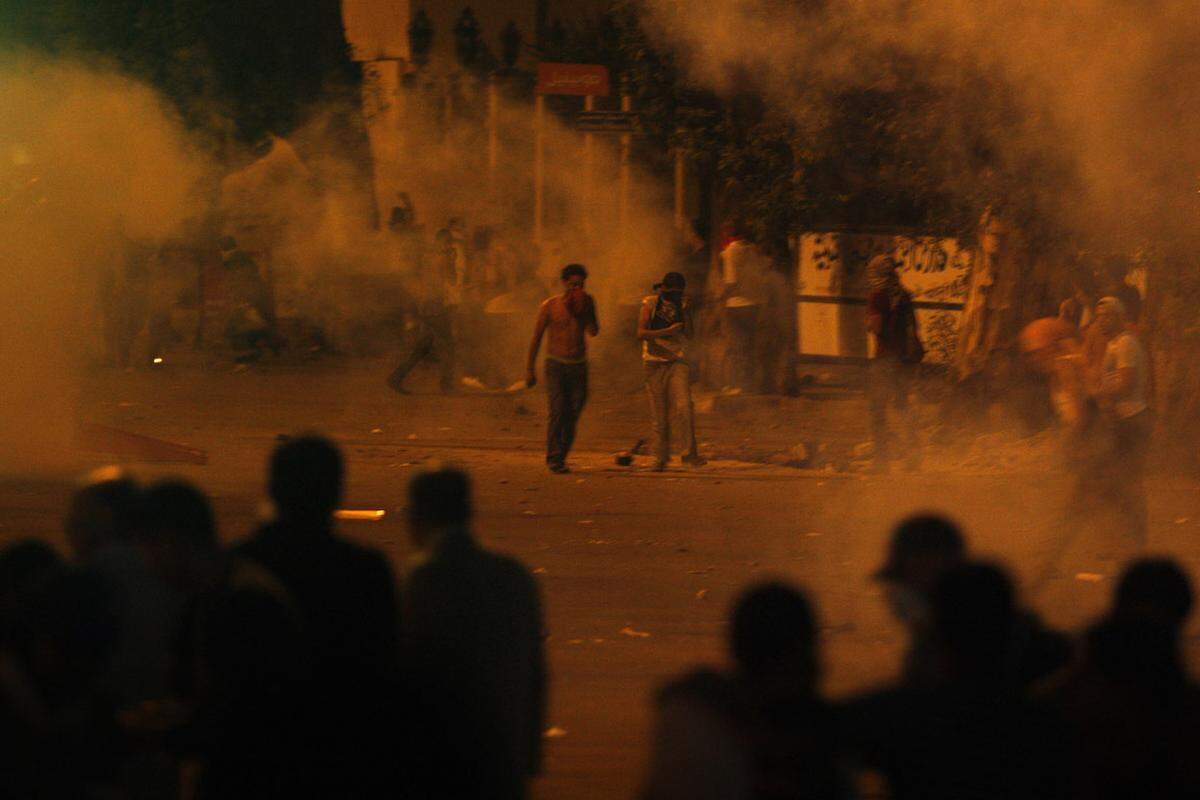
{"type": "Point", "coordinates": [567, 317]}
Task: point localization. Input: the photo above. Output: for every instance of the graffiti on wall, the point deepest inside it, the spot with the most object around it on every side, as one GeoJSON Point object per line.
{"type": "Point", "coordinates": [831, 284]}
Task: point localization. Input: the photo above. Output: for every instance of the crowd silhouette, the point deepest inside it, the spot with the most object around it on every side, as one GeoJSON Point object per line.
{"type": "Point", "coordinates": [156, 663]}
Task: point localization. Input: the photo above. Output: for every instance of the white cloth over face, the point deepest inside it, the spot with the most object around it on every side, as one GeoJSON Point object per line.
{"type": "Point", "coordinates": [1126, 352]}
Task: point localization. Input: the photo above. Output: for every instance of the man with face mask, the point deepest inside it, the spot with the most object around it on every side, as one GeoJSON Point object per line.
{"type": "Point", "coordinates": [567, 317]}
{"type": "Point", "coordinates": [664, 326]}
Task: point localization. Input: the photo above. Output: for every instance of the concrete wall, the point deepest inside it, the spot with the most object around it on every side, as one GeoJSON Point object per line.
{"type": "Point", "coordinates": [831, 290]}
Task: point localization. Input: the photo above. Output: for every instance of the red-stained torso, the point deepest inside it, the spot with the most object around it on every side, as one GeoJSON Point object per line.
{"type": "Point", "coordinates": [566, 332]}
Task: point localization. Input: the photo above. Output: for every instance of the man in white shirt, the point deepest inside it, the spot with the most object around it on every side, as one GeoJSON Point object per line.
{"type": "Point", "coordinates": [1122, 393]}
{"type": "Point", "coordinates": [741, 279]}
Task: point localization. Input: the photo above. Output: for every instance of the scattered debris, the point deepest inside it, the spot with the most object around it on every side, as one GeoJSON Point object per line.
{"type": "Point", "coordinates": [412, 436]}
{"type": "Point", "coordinates": [539, 571]}
{"type": "Point", "coordinates": [587, 522]}
{"type": "Point", "coordinates": [1181, 521]}
{"type": "Point", "coordinates": [864, 450]}
{"type": "Point", "coordinates": [798, 455]}
{"type": "Point", "coordinates": [556, 733]}
{"type": "Point", "coordinates": [376, 430]}
{"type": "Point", "coordinates": [628, 630]}
{"type": "Point", "coordinates": [625, 457]}
{"type": "Point", "coordinates": [529, 512]}
{"type": "Point", "coordinates": [703, 593]}
{"type": "Point", "coordinates": [1089, 577]}
{"type": "Point", "coordinates": [599, 541]}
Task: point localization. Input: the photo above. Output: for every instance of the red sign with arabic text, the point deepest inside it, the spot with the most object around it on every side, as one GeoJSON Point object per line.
{"type": "Point", "coordinates": [576, 79]}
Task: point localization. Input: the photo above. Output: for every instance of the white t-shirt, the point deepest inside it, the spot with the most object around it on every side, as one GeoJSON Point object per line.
{"type": "Point", "coordinates": [1125, 351]}
{"type": "Point", "coordinates": [741, 265]}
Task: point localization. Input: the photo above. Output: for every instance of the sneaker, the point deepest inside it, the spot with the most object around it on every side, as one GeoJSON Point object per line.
{"type": "Point", "coordinates": [396, 387]}
{"type": "Point", "coordinates": [558, 469]}
{"type": "Point", "coordinates": [659, 466]}
{"type": "Point", "coordinates": [694, 461]}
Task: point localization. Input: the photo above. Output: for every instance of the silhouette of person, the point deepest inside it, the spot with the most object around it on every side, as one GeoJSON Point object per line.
{"type": "Point", "coordinates": [1130, 714]}
{"type": "Point", "coordinates": [241, 660]}
{"type": "Point", "coordinates": [103, 523]}
{"type": "Point", "coordinates": [25, 716]}
{"type": "Point", "coordinates": [346, 597]}
{"type": "Point", "coordinates": [56, 717]}
{"type": "Point", "coordinates": [473, 623]}
{"type": "Point", "coordinates": [760, 731]}
{"type": "Point", "coordinates": [923, 546]}
{"type": "Point", "coordinates": [969, 733]}
{"type": "Point", "coordinates": [438, 291]}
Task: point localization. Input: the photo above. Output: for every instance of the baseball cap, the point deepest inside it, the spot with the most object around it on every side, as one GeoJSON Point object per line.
{"type": "Point", "coordinates": [920, 535]}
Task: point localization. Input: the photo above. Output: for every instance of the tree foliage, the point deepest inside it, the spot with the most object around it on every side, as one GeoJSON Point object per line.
{"type": "Point", "coordinates": [912, 150]}
{"type": "Point", "coordinates": [259, 66]}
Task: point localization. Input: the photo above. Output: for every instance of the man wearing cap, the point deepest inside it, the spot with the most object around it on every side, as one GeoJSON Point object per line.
{"type": "Point", "coordinates": [567, 317]}
{"type": "Point", "coordinates": [664, 326]}
{"type": "Point", "coordinates": [922, 547]}
{"type": "Point", "coordinates": [1122, 392]}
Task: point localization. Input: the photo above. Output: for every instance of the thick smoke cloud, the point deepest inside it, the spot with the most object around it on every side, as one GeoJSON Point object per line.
{"type": "Point", "coordinates": [89, 161]}
{"type": "Point", "coordinates": [1104, 87]}
{"type": "Point", "coordinates": [94, 164]}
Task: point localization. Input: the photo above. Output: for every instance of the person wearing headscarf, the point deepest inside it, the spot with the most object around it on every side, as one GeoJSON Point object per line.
{"type": "Point", "coordinates": [892, 323]}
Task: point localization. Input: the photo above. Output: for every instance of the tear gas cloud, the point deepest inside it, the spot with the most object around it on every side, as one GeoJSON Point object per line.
{"type": "Point", "coordinates": [93, 163]}
{"type": "Point", "coordinates": [1103, 87]}
{"type": "Point", "coordinates": [324, 244]}
{"type": "Point", "coordinates": [89, 162]}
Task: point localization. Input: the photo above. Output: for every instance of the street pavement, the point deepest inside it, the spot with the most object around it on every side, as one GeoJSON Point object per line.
{"type": "Point", "coordinates": [638, 569]}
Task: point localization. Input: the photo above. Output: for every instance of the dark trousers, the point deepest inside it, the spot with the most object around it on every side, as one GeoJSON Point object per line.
{"type": "Point", "coordinates": [1131, 437]}
{"type": "Point", "coordinates": [567, 387]}
{"type": "Point", "coordinates": [436, 338]}
{"type": "Point", "coordinates": [888, 383]}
